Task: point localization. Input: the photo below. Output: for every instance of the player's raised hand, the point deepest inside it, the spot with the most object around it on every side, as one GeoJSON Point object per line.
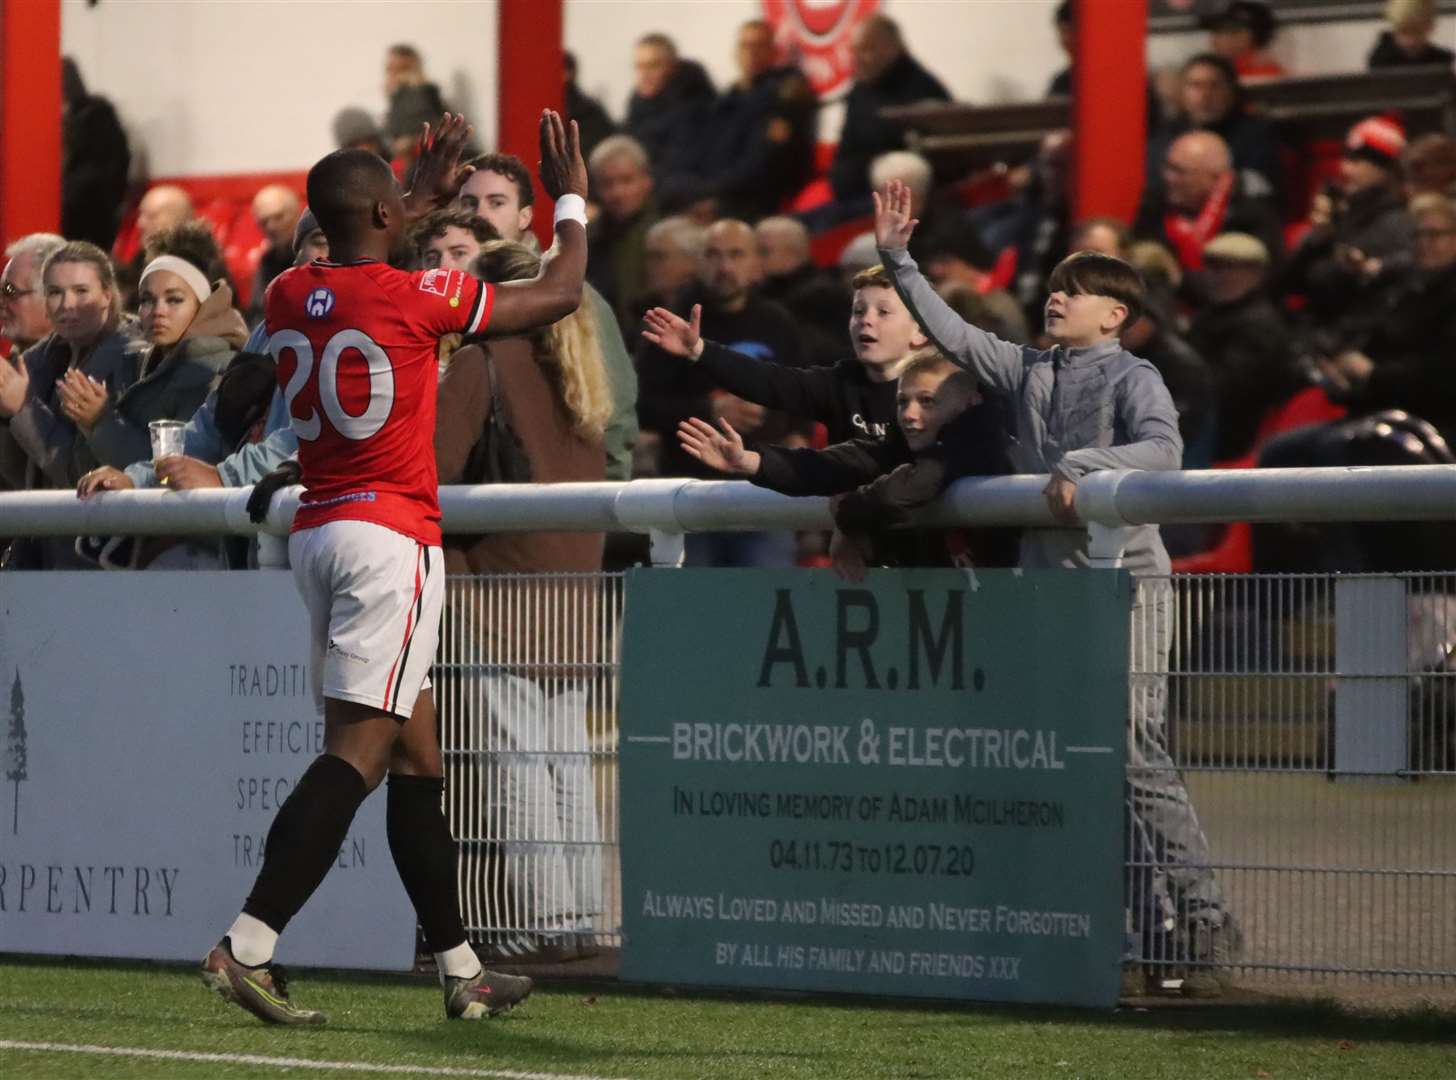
{"type": "Point", "coordinates": [721, 450]}
{"type": "Point", "coordinates": [562, 169]}
{"type": "Point", "coordinates": [893, 223]}
{"type": "Point", "coordinates": [673, 334]}
{"type": "Point", "coordinates": [438, 173]}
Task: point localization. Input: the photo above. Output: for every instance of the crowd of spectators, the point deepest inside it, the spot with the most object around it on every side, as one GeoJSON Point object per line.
{"type": "Point", "coordinates": [1257, 293]}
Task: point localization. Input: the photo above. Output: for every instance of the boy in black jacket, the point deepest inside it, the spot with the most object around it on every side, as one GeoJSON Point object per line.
{"type": "Point", "coordinates": [946, 431]}
{"type": "Point", "coordinates": [853, 399]}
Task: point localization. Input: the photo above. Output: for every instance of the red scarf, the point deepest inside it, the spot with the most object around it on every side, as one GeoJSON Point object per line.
{"type": "Point", "coordinates": [1189, 234]}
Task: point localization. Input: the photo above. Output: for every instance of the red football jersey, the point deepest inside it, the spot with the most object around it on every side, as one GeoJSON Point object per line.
{"type": "Point", "coordinates": [356, 348]}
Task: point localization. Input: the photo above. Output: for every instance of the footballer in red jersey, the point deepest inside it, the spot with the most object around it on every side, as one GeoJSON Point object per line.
{"type": "Point", "coordinates": [356, 342]}
{"type": "Point", "coordinates": [358, 372]}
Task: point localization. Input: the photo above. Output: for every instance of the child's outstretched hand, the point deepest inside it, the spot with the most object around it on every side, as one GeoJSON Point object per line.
{"type": "Point", "coordinates": [672, 334]}
{"type": "Point", "coordinates": [893, 223]}
{"type": "Point", "coordinates": [720, 450]}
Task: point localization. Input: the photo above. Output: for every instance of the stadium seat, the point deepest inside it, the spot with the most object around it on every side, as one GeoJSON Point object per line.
{"type": "Point", "coordinates": [1234, 552]}
{"type": "Point", "coordinates": [830, 244]}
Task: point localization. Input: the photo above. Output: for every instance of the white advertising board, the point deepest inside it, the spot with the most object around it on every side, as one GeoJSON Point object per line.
{"type": "Point", "coordinates": [150, 726]}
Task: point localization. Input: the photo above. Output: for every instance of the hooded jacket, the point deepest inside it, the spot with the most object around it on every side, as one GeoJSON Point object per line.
{"type": "Point", "coordinates": [171, 382]}
{"type": "Point", "coordinates": [1075, 411]}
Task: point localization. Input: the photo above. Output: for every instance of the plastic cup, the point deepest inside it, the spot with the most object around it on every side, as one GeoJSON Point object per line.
{"type": "Point", "coordinates": [166, 438]}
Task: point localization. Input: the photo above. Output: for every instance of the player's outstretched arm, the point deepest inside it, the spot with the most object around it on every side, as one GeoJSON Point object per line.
{"type": "Point", "coordinates": [555, 292]}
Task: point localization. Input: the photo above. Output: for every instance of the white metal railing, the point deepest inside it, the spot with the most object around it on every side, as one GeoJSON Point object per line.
{"type": "Point", "coordinates": [1111, 499]}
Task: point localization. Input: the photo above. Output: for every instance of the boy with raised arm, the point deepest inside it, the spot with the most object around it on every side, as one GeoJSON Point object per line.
{"type": "Point", "coordinates": [946, 431]}
{"type": "Point", "coordinates": [853, 399]}
{"type": "Point", "coordinates": [1087, 404]}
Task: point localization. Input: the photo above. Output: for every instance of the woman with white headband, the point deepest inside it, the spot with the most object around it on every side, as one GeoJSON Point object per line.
{"type": "Point", "coordinates": [191, 332]}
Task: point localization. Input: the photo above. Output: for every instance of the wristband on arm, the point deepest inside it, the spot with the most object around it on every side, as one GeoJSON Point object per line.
{"type": "Point", "coordinates": [570, 208]}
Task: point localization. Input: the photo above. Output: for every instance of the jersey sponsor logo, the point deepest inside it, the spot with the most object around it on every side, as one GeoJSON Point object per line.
{"type": "Point", "coordinates": [319, 303]}
{"type": "Point", "coordinates": [436, 281]}
{"type": "Point", "coordinates": [816, 34]}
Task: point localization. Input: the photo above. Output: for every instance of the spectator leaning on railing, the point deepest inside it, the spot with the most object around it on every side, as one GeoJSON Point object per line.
{"type": "Point", "coordinates": [1087, 404]}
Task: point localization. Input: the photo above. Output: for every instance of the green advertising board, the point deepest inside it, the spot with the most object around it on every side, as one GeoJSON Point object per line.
{"type": "Point", "coordinates": [911, 786]}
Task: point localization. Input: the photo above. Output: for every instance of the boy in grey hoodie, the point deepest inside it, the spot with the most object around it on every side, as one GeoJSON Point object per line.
{"type": "Point", "coordinates": [1083, 405]}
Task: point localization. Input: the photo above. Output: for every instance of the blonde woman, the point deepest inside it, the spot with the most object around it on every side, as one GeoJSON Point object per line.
{"type": "Point", "coordinates": [513, 410]}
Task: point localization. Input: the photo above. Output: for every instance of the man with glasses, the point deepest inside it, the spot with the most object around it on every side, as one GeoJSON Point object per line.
{"type": "Point", "coordinates": [23, 318]}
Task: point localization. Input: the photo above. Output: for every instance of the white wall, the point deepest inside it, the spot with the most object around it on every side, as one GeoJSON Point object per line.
{"type": "Point", "coordinates": [229, 86]}
{"type": "Point", "coordinates": [237, 86]}
{"type": "Point", "coordinates": [986, 51]}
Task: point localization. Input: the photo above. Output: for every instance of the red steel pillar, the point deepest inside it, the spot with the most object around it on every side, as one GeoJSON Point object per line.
{"type": "Point", "coordinates": [1109, 110]}
{"type": "Point", "coordinates": [30, 117]}
{"type": "Point", "coordinates": [531, 71]}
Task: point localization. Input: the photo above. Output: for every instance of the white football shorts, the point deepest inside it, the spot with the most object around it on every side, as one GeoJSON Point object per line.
{"type": "Point", "coordinates": [374, 598]}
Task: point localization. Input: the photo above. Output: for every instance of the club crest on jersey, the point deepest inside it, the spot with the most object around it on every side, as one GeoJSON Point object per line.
{"type": "Point", "coordinates": [319, 303]}
{"type": "Point", "coordinates": [435, 281]}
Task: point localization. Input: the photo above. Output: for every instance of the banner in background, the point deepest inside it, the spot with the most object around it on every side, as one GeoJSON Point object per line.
{"type": "Point", "coordinates": [910, 787]}
{"type": "Point", "coordinates": [150, 726]}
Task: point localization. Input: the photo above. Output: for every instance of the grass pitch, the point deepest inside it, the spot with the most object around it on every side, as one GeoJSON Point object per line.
{"type": "Point", "coordinates": [608, 1031]}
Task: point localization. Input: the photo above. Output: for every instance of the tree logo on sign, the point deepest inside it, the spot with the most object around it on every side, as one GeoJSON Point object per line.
{"type": "Point", "coordinates": [815, 34]}
{"type": "Point", "coordinates": [15, 755]}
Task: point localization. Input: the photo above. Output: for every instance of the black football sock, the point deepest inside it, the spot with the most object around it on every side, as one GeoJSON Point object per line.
{"type": "Point", "coordinates": [305, 838]}
{"type": "Point", "coordinates": [424, 855]}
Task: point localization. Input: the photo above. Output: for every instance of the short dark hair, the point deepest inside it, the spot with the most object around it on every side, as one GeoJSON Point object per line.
{"type": "Point", "coordinates": [1066, 14]}
{"type": "Point", "coordinates": [1088, 273]}
{"type": "Point", "coordinates": [513, 169]}
{"type": "Point", "coordinates": [435, 223]}
{"type": "Point", "coordinates": [409, 52]}
{"type": "Point", "coordinates": [1213, 60]}
{"type": "Point", "coordinates": [344, 186]}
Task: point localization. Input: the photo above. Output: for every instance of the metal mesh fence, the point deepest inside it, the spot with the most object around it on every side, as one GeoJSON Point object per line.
{"type": "Point", "coordinates": [1313, 718]}
{"type": "Point", "coordinates": [1292, 770]}
{"type": "Point", "coordinates": [527, 692]}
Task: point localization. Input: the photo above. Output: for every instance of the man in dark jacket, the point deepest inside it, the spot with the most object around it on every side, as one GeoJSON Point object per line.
{"type": "Point", "coordinates": [94, 162]}
{"type": "Point", "coordinates": [670, 102]}
{"type": "Point", "coordinates": [884, 74]}
{"type": "Point", "coordinates": [819, 299]}
{"type": "Point", "coordinates": [1203, 196]}
{"type": "Point", "coordinates": [1405, 359]}
{"type": "Point", "coordinates": [757, 149]}
{"type": "Point", "coordinates": [616, 264]}
{"type": "Point", "coordinates": [1359, 227]}
{"type": "Point", "coordinates": [669, 391]}
{"type": "Point", "coordinates": [1244, 340]}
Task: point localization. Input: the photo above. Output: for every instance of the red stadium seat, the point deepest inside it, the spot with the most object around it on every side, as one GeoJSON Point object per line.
{"type": "Point", "coordinates": [1234, 552]}
{"type": "Point", "coordinates": [830, 244]}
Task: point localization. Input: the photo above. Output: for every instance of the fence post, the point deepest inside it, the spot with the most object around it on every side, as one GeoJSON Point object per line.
{"type": "Point", "coordinates": [1372, 691]}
